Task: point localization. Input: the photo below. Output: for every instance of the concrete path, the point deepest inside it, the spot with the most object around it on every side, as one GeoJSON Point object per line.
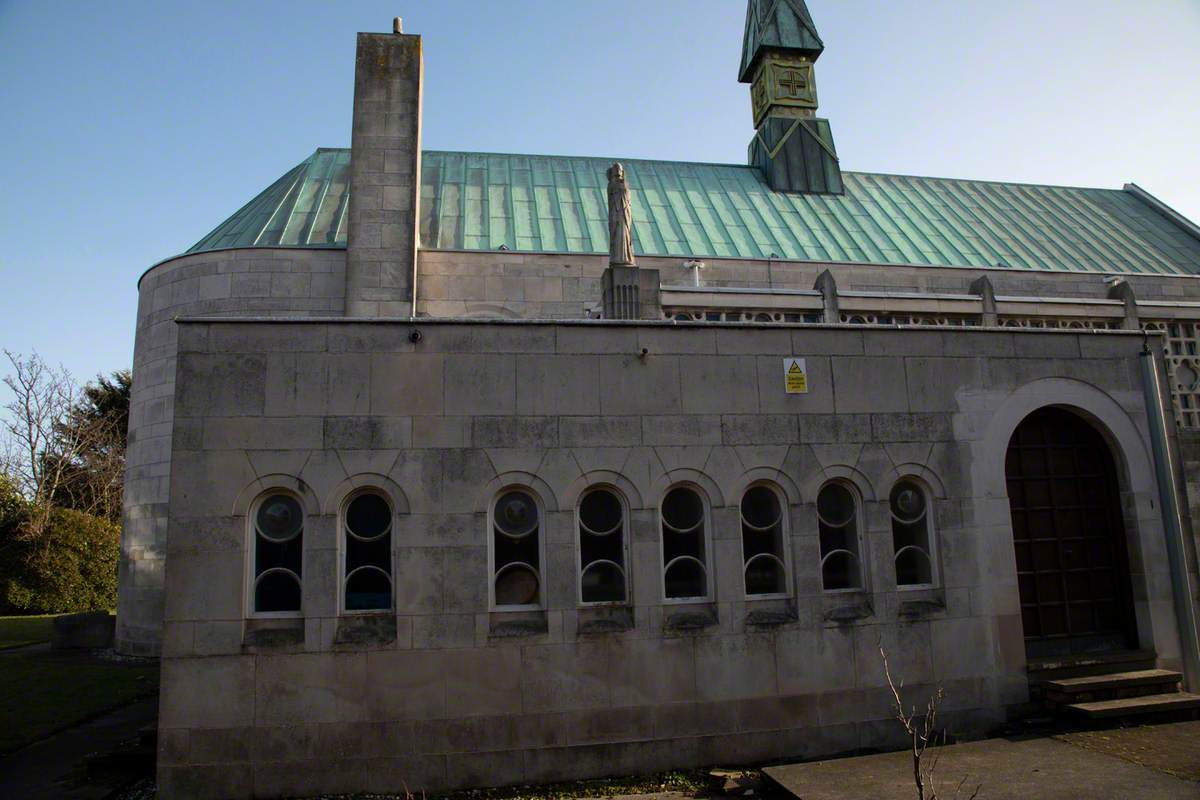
{"type": "Point", "coordinates": [1005, 769]}
{"type": "Point", "coordinates": [52, 769]}
{"type": "Point", "coordinates": [1173, 749]}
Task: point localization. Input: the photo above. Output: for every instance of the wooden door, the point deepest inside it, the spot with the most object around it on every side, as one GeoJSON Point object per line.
{"type": "Point", "coordinates": [1068, 532]}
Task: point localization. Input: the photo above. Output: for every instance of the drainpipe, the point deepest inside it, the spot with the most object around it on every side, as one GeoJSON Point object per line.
{"type": "Point", "coordinates": [1164, 470]}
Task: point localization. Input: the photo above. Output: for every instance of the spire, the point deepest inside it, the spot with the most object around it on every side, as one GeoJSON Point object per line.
{"type": "Point", "coordinates": [777, 25]}
{"type": "Point", "coordinates": [791, 145]}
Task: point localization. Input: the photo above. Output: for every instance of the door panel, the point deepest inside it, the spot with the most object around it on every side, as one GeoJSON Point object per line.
{"type": "Point", "coordinates": [1068, 537]}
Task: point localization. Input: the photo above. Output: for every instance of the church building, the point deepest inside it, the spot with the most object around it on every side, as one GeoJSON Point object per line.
{"type": "Point", "coordinates": [455, 469]}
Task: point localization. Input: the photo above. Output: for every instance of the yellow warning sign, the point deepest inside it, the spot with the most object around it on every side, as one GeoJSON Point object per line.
{"type": "Point", "coordinates": [795, 376]}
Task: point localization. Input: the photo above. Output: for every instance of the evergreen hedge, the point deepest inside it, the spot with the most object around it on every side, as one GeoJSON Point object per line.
{"type": "Point", "coordinates": [71, 566]}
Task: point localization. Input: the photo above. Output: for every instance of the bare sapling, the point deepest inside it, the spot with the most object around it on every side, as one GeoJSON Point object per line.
{"type": "Point", "coordinates": [924, 738]}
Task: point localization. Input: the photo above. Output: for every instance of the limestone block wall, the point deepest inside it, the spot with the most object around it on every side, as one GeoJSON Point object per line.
{"type": "Point", "coordinates": [512, 285]}
{"type": "Point", "coordinates": [262, 281]}
{"type": "Point", "coordinates": [385, 175]}
{"type": "Point", "coordinates": [503, 285]}
{"type": "Point", "coordinates": [445, 691]}
{"type": "Point", "coordinates": [1188, 444]}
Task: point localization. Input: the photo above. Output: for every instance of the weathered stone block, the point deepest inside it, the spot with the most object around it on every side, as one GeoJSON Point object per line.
{"type": "Point", "coordinates": [88, 630]}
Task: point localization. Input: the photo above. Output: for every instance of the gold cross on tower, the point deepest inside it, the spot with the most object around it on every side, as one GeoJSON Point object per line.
{"type": "Point", "coordinates": [793, 82]}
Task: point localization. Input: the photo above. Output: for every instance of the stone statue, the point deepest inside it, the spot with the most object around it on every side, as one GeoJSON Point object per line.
{"type": "Point", "coordinates": [620, 219]}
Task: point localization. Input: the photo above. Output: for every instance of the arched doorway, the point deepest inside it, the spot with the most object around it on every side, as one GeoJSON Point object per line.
{"type": "Point", "coordinates": [1069, 537]}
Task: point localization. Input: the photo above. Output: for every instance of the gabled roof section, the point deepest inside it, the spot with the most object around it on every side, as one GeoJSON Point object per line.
{"type": "Point", "coordinates": [305, 208]}
{"type": "Point", "coordinates": [777, 25]}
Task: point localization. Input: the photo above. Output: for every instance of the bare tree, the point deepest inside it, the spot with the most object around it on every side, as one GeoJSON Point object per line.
{"type": "Point", "coordinates": [923, 733]}
{"type": "Point", "coordinates": [46, 443]}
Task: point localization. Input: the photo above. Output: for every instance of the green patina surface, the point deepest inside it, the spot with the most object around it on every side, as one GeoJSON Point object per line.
{"type": "Point", "coordinates": [557, 204]}
{"type": "Point", "coordinates": [307, 207]}
{"type": "Point", "coordinates": [777, 25]}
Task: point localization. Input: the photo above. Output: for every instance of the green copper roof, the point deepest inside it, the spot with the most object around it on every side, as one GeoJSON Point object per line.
{"type": "Point", "coordinates": [476, 201]}
{"type": "Point", "coordinates": [777, 25]}
{"type": "Point", "coordinates": [304, 208]}
{"type": "Point", "coordinates": [479, 201]}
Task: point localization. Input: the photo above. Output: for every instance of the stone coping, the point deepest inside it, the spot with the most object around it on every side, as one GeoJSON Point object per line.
{"type": "Point", "coordinates": [655, 323]}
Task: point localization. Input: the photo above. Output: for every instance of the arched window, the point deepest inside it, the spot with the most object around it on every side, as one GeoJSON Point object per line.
{"type": "Point", "coordinates": [277, 557]}
{"type": "Point", "coordinates": [841, 550]}
{"type": "Point", "coordinates": [602, 548]}
{"type": "Point", "coordinates": [684, 517]}
{"type": "Point", "coordinates": [912, 534]}
{"type": "Point", "coordinates": [764, 559]}
{"type": "Point", "coordinates": [367, 553]}
{"type": "Point", "coordinates": [516, 550]}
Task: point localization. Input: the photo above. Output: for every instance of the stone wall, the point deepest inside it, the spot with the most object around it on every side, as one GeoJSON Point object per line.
{"type": "Point", "coordinates": [385, 175]}
{"type": "Point", "coordinates": [1188, 443]}
{"type": "Point", "coordinates": [455, 694]}
{"type": "Point", "coordinates": [263, 281]}
{"type": "Point", "coordinates": [457, 283]}
{"type": "Point", "coordinates": [284, 282]}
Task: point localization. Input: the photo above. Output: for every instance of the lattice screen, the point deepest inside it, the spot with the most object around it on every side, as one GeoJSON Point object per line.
{"type": "Point", "coordinates": [1060, 323]}
{"type": "Point", "coordinates": [940, 320]}
{"type": "Point", "coordinates": [1182, 352]}
{"type": "Point", "coordinates": [712, 315]}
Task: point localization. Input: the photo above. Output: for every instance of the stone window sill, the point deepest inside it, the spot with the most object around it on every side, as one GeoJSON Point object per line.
{"type": "Point", "coordinates": [604, 619]}
{"type": "Point", "coordinates": [365, 630]}
{"type": "Point", "coordinates": [847, 607]}
{"type": "Point", "coordinates": [921, 603]}
{"type": "Point", "coordinates": [770, 613]}
{"type": "Point", "coordinates": [273, 635]}
{"type": "Point", "coordinates": [692, 618]}
{"type": "Point", "coordinates": [517, 624]}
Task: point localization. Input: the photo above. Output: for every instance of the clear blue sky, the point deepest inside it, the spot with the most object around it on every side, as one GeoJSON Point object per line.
{"type": "Point", "coordinates": [130, 129]}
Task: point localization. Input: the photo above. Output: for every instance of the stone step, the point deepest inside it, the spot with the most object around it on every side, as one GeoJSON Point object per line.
{"type": "Point", "coordinates": [1056, 667]}
{"type": "Point", "coordinates": [1091, 684]}
{"type": "Point", "coordinates": [1133, 706]}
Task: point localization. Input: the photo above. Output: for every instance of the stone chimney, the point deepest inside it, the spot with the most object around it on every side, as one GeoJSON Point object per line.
{"type": "Point", "coordinates": [385, 175]}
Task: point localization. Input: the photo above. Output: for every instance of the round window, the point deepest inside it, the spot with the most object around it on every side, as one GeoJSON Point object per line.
{"type": "Point", "coordinates": [368, 517]}
{"type": "Point", "coordinates": [682, 510]}
{"type": "Point", "coordinates": [516, 585]}
{"type": "Point", "coordinates": [279, 518]}
{"type": "Point", "coordinates": [600, 512]}
{"type": "Point", "coordinates": [835, 505]}
{"type": "Point", "coordinates": [516, 514]}
{"type": "Point", "coordinates": [908, 502]}
{"type": "Point", "coordinates": [760, 508]}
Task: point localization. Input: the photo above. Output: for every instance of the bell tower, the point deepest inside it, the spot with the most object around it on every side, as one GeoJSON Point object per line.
{"type": "Point", "coordinates": [792, 146]}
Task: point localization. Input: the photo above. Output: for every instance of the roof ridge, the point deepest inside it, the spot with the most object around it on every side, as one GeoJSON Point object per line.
{"type": "Point", "coordinates": [881, 174]}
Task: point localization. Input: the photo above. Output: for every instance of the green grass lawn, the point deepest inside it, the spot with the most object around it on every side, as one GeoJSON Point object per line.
{"type": "Point", "coordinates": [20, 631]}
{"type": "Point", "coordinates": [42, 692]}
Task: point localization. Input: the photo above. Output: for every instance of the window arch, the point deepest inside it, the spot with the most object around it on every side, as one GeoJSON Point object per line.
{"type": "Point", "coordinates": [366, 552]}
{"type": "Point", "coordinates": [841, 541]}
{"type": "Point", "coordinates": [276, 554]}
{"type": "Point", "coordinates": [683, 519]}
{"type": "Point", "coordinates": [764, 541]}
{"type": "Point", "coordinates": [515, 521]}
{"type": "Point", "coordinates": [912, 534]}
{"type": "Point", "coordinates": [603, 547]}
